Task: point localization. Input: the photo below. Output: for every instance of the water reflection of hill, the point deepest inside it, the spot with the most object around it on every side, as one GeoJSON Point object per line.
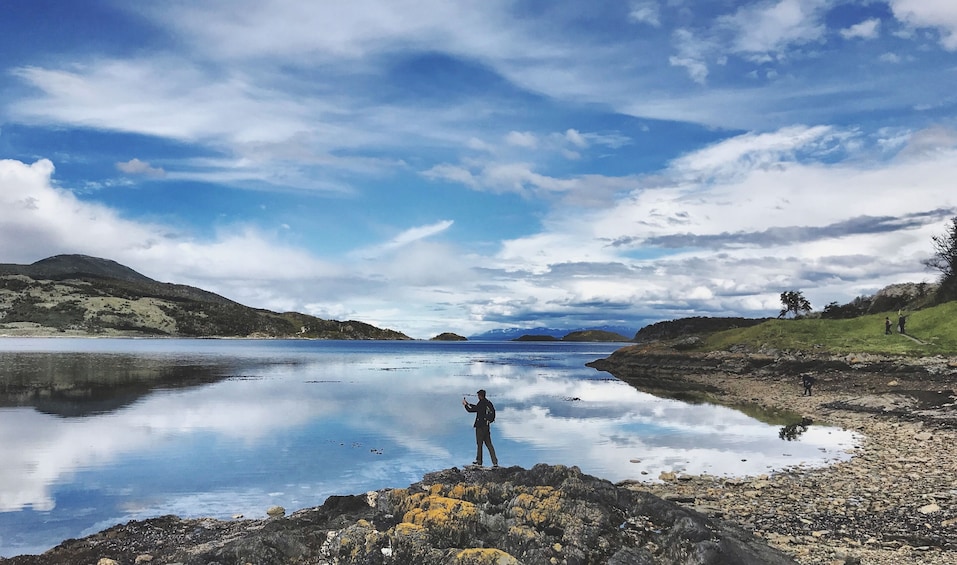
{"type": "Point", "coordinates": [75, 385]}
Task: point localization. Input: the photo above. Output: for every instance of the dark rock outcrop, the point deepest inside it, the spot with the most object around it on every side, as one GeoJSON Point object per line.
{"type": "Point", "coordinates": [547, 514]}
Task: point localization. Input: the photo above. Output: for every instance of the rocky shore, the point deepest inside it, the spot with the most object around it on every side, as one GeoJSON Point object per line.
{"type": "Point", "coordinates": [546, 515]}
{"type": "Point", "coordinates": [894, 501]}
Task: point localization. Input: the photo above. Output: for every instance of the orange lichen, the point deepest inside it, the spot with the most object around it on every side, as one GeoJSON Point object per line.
{"type": "Point", "coordinates": [408, 529]}
{"type": "Point", "coordinates": [472, 493]}
{"type": "Point", "coordinates": [541, 506]}
{"type": "Point", "coordinates": [438, 511]}
{"type": "Point", "coordinates": [484, 556]}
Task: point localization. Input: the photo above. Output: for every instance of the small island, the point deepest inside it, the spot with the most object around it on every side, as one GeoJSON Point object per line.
{"type": "Point", "coordinates": [449, 336]}
{"type": "Point", "coordinates": [536, 337]}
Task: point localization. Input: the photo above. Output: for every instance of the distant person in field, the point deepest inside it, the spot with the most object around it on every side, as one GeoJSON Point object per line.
{"type": "Point", "coordinates": [887, 325]}
{"type": "Point", "coordinates": [900, 323]}
{"type": "Point", "coordinates": [484, 415]}
{"type": "Point", "coordinates": [808, 382]}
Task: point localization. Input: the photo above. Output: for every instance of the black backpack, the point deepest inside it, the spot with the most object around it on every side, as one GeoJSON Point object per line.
{"type": "Point", "coordinates": [490, 412]}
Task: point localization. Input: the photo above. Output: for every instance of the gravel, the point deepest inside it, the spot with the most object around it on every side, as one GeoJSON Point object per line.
{"type": "Point", "coordinates": [894, 501]}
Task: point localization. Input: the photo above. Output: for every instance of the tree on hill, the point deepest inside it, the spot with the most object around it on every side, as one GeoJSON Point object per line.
{"type": "Point", "coordinates": [794, 301]}
{"type": "Point", "coordinates": [945, 261]}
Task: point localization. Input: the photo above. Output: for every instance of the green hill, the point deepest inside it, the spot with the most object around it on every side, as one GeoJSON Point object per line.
{"type": "Point", "coordinates": [595, 335]}
{"type": "Point", "coordinates": [930, 331]}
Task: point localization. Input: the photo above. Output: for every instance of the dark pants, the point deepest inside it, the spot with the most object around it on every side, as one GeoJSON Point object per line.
{"type": "Point", "coordinates": [484, 436]}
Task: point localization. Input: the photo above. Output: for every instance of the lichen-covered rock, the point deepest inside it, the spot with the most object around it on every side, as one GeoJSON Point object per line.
{"type": "Point", "coordinates": [547, 514]}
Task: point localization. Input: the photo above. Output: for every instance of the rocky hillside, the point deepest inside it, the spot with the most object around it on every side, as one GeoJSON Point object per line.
{"type": "Point", "coordinates": [81, 295]}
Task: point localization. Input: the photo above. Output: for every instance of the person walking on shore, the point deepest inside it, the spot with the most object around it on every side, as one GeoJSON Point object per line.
{"type": "Point", "coordinates": [484, 415]}
{"type": "Point", "coordinates": [808, 382]}
{"type": "Point", "coordinates": [900, 323]}
{"type": "Point", "coordinates": [887, 325]}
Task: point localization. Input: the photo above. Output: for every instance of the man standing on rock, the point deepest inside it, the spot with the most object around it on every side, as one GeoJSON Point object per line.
{"type": "Point", "coordinates": [484, 415]}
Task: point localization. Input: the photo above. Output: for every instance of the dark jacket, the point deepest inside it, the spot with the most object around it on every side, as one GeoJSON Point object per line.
{"type": "Point", "coordinates": [480, 409]}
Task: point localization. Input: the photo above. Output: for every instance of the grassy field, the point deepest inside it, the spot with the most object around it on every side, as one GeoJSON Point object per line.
{"type": "Point", "coordinates": [934, 331]}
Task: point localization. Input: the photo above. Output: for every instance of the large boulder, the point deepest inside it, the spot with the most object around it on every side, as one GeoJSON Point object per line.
{"type": "Point", "coordinates": [547, 514]}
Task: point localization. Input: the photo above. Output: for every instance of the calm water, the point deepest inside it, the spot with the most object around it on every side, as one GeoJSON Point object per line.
{"type": "Point", "coordinates": [129, 429]}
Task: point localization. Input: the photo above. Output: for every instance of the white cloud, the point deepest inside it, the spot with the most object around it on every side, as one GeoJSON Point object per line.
{"type": "Point", "coordinates": [747, 152]}
{"type": "Point", "coordinates": [868, 29]}
{"type": "Point", "coordinates": [359, 29]}
{"type": "Point", "coordinates": [938, 14]}
{"type": "Point", "coordinates": [38, 220]}
{"type": "Point", "coordinates": [647, 12]}
{"type": "Point", "coordinates": [703, 236]}
{"type": "Point", "coordinates": [768, 28]}
{"type": "Point", "coordinates": [768, 190]}
{"type": "Point", "coordinates": [276, 93]}
{"type": "Point", "coordinates": [576, 138]}
{"type": "Point", "coordinates": [188, 104]}
{"type": "Point", "coordinates": [691, 55]}
{"type": "Point", "coordinates": [522, 139]}
{"type": "Point", "coordinates": [136, 167]}
{"type": "Point", "coordinates": [892, 58]}
{"type": "Point", "coordinates": [406, 238]}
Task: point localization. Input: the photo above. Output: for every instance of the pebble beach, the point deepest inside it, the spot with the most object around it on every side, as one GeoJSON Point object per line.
{"type": "Point", "coordinates": [894, 501]}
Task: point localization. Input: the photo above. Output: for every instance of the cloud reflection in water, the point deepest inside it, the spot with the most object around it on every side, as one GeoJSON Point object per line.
{"type": "Point", "coordinates": [296, 423]}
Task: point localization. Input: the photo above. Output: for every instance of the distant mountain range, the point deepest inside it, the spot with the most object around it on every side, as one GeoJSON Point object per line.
{"type": "Point", "coordinates": [509, 334]}
{"type": "Point", "coordinates": [82, 295]}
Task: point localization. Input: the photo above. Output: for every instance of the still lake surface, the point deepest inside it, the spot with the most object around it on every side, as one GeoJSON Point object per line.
{"type": "Point", "coordinates": [226, 427]}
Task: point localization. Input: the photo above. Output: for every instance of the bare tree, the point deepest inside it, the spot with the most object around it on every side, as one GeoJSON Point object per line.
{"type": "Point", "coordinates": [945, 261]}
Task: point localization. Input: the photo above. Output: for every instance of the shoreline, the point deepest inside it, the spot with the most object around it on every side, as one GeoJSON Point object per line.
{"type": "Point", "coordinates": [893, 501]}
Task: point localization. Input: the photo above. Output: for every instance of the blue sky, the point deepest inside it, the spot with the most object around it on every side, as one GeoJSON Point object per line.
{"type": "Point", "coordinates": [436, 166]}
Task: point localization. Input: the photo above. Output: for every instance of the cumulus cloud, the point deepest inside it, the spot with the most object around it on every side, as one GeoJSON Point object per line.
{"type": "Point", "coordinates": [868, 29]}
{"type": "Point", "coordinates": [764, 29]}
{"type": "Point", "coordinates": [937, 14]}
{"type": "Point", "coordinates": [687, 238]}
{"type": "Point", "coordinates": [646, 12]}
{"type": "Point", "coordinates": [39, 219]}
{"type": "Point", "coordinates": [136, 167]}
{"type": "Point", "coordinates": [521, 139]}
{"type": "Point", "coordinates": [691, 55]}
{"type": "Point", "coordinates": [711, 236]}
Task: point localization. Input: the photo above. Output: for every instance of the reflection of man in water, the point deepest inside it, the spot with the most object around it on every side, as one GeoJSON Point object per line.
{"type": "Point", "coordinates": [483, 434]}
